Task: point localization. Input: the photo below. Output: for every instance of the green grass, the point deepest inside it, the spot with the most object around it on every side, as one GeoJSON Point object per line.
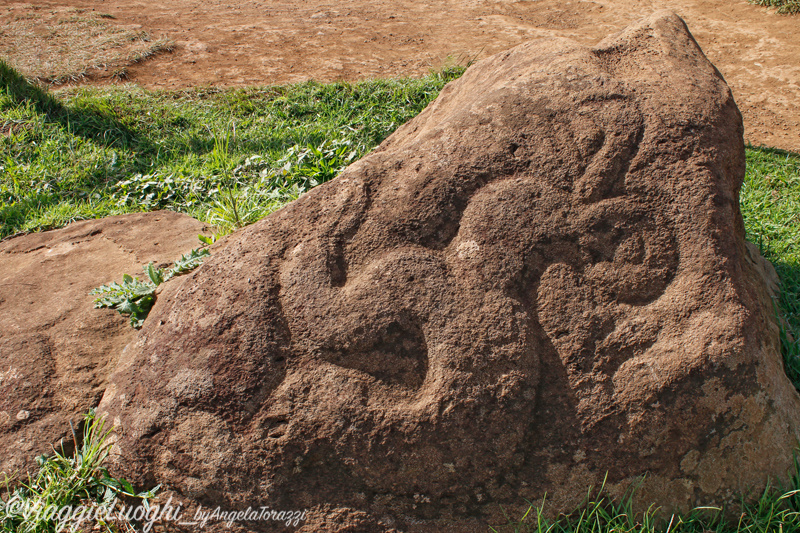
{"type": "Point", "coordinates": [70, 487]}
{"type": "Point", "coordinates": [770, 200]}
{"type": "Point", "coordinates": [227, 157]}
{"type": "Point", "coordinates": [777, 510]}
{"type": "Point", "coordinates": [784, 6]}
{"type": "Point", "coordinates": [232, 156]}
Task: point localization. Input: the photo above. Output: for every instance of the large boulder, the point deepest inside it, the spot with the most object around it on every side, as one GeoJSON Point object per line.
{"type": "Point", "coordinates": [56, 351]}
{"type": "Point", "coordinates": [539, 281]}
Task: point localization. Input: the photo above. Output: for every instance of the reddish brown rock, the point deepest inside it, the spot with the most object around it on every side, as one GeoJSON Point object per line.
{"type": "Point", "coordinates": [540, 280]}
{"type": "Point", "coordinates": [56, 351]}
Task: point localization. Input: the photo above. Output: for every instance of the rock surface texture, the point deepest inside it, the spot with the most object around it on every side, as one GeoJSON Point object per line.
{"type": "Point", "coordinates": [539, 280]}
{"type": "Point", "coordinates": [56, 351]}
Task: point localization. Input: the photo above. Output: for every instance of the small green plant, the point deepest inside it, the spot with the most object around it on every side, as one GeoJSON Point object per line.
{"type": "Point", "coordinates": [131, 297]}
{"type": "Point", "coordinates": [312, 165]}
{"type": "Point", "coordinates": [238, 207]}
{"type": "Point", "coordinates": [158, 190]}
{"type": "Point", "coordinates": [72, 482]}
{"type": "Point", "coordinates": [186, 263]}
{"type": "Point", "coordinates": [134, 297]}
{"type": "Point", "coordinates": [208, 241]}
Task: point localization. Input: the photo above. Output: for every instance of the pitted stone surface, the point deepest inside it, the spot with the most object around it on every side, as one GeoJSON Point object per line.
{"type": "Point", "coordinates": [539, 280]}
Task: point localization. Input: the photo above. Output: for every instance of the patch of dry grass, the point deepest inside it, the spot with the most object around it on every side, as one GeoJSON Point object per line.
{"type": "Point", "coordinates": [65, 44]}
{"type": "Point", "coordinates": [784, 6]}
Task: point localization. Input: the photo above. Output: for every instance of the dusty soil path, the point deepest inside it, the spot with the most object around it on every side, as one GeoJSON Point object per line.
{"type": "Point", "coordinates": [253, 42]}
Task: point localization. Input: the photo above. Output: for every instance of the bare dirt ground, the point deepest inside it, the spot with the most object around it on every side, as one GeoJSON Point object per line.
{"type": "Point", "coordinates": [252, 42]}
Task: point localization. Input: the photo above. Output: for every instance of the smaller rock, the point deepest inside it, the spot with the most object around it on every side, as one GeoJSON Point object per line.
{"type": "Point", "coordinates": [55, 348]}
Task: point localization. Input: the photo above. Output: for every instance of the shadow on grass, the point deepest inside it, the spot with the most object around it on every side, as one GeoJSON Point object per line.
{"type": "Point", "coordinates": [772, 151]}
{"type": "Point", "coordinates": [789, 309]}
{"type": "Point", "coordinates": [95, 126]}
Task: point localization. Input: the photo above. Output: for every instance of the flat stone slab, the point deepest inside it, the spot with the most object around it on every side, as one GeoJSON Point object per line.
{"type": "Point", "coordinates": [56, 351]}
